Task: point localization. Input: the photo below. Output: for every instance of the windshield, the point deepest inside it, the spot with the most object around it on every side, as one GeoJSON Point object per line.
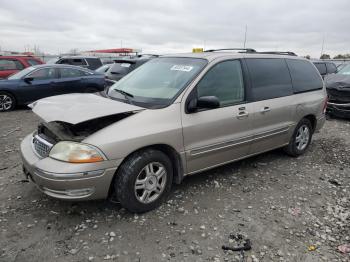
{"type": "Point", "coordinates": [22, 73]}
{"type": "Point", "coordinates": [345, 70]}
{"type": "Point", "coordinates": [156, 83]}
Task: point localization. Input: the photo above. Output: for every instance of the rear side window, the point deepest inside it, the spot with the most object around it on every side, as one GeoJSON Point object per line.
{"type": "Point", "coordinates": [321, 67]}
{"type": "Point", "coordinates": [70, 72]}
{"type": "Point", "coordinates": [9, 64]}
{"type": "Point", "coordinates": [270, 78]}
{"type": "Point", "coordinates": [304, 76]}
{"type": "Point", "coordinates": [225, 81]}
{"type": "Point", "coordinates": [331, 68]}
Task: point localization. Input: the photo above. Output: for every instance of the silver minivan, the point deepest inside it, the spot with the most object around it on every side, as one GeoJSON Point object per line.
{"type": "Point", "coordinates": [174, 116]}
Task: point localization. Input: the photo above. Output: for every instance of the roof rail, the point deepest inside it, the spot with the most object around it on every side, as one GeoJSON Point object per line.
{"type": "Point", "coordinates": [245, 50]}
{"type": "Point", "coordinates": [278, 53]}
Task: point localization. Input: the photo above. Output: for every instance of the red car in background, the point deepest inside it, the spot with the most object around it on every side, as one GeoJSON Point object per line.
{"type": "Point", "coordinates": [13, 64]}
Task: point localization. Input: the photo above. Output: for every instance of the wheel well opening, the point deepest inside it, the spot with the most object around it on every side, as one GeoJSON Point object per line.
{"type": "Point", "coordinates": [174, 157]}
{"type": "Point", "coordinates": [313, 121]}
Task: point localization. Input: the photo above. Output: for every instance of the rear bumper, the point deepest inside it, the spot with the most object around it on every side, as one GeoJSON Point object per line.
{"type": "Point", "coordinates": [67, 181]}
{"type": "Point", "coordinates": [320, 122]}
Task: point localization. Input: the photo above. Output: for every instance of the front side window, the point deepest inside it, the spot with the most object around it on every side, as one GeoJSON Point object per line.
{"type": "Point", "coordinates": [78, 62]}
{"type": "Point", "coordinates": [270, 78]}
{"type": "Point", "coordinates": [225, 81]}
{"type": "Point", "coordinates": [42, 74]}
{"type": "Point", "coordinates": [155, 84]}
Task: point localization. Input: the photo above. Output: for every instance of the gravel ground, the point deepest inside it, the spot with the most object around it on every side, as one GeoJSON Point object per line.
{"type": "Point", "coordinates": [291, 209]}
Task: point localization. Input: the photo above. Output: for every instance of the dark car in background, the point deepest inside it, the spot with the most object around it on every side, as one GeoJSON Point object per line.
{"type": "Point", "coordinates": [41, 81]}
{"type": "Point", "coordinates": [338, 89]}
{"type": "Point", "coordinates": [12, 64]}
{"type": "Point", "coordinates": [90, 62]}
{"type": "Point", "coordinates": [325, 67]}
{"type": "Point", "coordinates": [121, 68]}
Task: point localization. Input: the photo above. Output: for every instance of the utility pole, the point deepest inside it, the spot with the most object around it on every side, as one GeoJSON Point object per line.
{"type": "Point", "coordinates": [245, 36]}
{"type": "Point", "coordinates": [322, 46]}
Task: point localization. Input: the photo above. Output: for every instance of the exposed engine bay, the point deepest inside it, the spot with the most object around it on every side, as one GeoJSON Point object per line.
{"type": "Point", "coordinates": [57, 131]}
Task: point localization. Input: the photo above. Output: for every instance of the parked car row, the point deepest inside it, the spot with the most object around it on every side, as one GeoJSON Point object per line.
{"type": "Point", "coordinates": [41, 81]}
{"type": "Point", "coordinates": [12, 64]}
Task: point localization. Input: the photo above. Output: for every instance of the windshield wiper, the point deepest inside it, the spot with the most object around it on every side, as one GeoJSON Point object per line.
{"type": "Point", "coordinates": [126, 95]}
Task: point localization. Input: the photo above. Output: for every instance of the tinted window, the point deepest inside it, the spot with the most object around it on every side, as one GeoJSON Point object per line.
{"type": "Point", "coordinates": [94, 62]}
{"type": "Point", "coordinates": [70, 72]}
{"type": "Point", "coordinates": [225, 81]}
{"type": "Point", "coordinates": [120, 68]}
{"type": "Point", "coordinates": [9, 64]}
{"type": "Point", "coordinates": [331, 68]}
{"type": "Point", "coordinates": [304, 76]}
{"type": "Point", "coordinates": [78, 61]}
{"type": "Point", "coordinates": [32, 62]}
{"type": "Point", "coordinates": [65, 61]}
{"type": "Point", "coordinates": [270, 78]}
{"type": "Point", "coordinates": [321, 67]}
{"type": "Point", "coordinates": [42, 74]}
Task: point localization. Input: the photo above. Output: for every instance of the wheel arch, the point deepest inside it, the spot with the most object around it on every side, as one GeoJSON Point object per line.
{"type": "Point", "coordinates": [313, 121]}
{"type": "Point", "coordinates": [174, 156]}
{"type": "Point", "coordinates": [12, 94]}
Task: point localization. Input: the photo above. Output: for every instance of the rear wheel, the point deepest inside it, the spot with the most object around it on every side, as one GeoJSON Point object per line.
{"type": "Point", "coordinates": [144, 180]}
{"type": "Point", "coordinates": [301, 138]}
{"type": "Point", "coordinates": [7, 102]}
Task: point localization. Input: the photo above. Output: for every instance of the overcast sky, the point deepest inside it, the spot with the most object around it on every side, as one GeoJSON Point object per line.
{"type": "Point", "coordinates": [163, 26]}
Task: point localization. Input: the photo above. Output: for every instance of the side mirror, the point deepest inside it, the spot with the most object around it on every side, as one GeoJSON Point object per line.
{"type": "Point", "coordinates": [204, 102]}
{"type": "Point", "coordinates": [28, 79]}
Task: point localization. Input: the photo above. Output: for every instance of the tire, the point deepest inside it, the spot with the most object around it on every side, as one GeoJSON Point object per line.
{"type": "Point", "coordinates": [7, 101]}
{"type": "Point", "coordinates": [144, 180]}
{"type": "Point", "coordinates": [303, 133]}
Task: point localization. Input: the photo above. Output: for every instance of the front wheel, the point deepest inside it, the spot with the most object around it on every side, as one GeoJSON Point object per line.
{"type": "Point", "coordinates": [7, 102]}
{"type": "Point", "coordinates": [144, 180]}
{"type": "Point", "coordinates": [301, 139]}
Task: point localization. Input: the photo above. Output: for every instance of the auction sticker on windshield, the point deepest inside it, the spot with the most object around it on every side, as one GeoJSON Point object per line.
{"type": "Point", "coordinates": [183, 68]}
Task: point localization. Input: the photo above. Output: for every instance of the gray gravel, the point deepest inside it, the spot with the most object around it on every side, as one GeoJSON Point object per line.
{"type": "Point", "coordinates": [283, 205]}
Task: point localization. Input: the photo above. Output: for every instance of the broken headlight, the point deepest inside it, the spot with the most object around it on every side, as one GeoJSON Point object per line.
{"type": "Point", "coordinates": [73, 152]}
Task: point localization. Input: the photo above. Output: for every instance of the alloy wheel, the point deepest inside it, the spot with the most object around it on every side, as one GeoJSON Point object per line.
{"type": "Point", "coordinates": [6, 102]}
{"type": "Point", "coordinates": [150, 182]}
{"type": "Point", "coordinates": [303, 137]}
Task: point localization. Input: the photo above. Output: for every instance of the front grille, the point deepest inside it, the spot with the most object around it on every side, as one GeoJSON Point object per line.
{"type": "Point", "coordinates": [41, 147]}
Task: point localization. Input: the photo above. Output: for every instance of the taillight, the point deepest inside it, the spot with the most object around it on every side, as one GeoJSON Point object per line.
{"type": "Point", "coordinates": [325, 105]}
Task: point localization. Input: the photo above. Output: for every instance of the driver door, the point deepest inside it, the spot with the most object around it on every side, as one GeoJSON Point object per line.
{"type": "Point", "coordinates": [42, 84]}
{"type": "Point", "coordinates": [216, 136]}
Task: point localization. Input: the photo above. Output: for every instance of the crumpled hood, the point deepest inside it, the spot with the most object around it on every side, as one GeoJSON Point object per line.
{"type": "Point", "coordinates": [77, 108]}
{"type": "Point", "coordinates": [338, 82]}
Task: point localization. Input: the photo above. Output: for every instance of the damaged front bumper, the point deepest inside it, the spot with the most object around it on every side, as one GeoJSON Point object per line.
{"type": "Point", "coordinates": [339, 109]}
{"type": "Point", "coordinates": [66, 180]}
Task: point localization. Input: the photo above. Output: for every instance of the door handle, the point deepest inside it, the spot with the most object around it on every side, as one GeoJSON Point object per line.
{"type": "Point", "coordinates": [265, 109]}
{"type": "Point", "coordinates": [242, 113]}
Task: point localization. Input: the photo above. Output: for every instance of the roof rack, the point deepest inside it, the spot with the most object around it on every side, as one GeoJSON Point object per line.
{"type": "Point", "coordinates": [278, 53]}
{"type": "Point", "coordinates": [245, 50]}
